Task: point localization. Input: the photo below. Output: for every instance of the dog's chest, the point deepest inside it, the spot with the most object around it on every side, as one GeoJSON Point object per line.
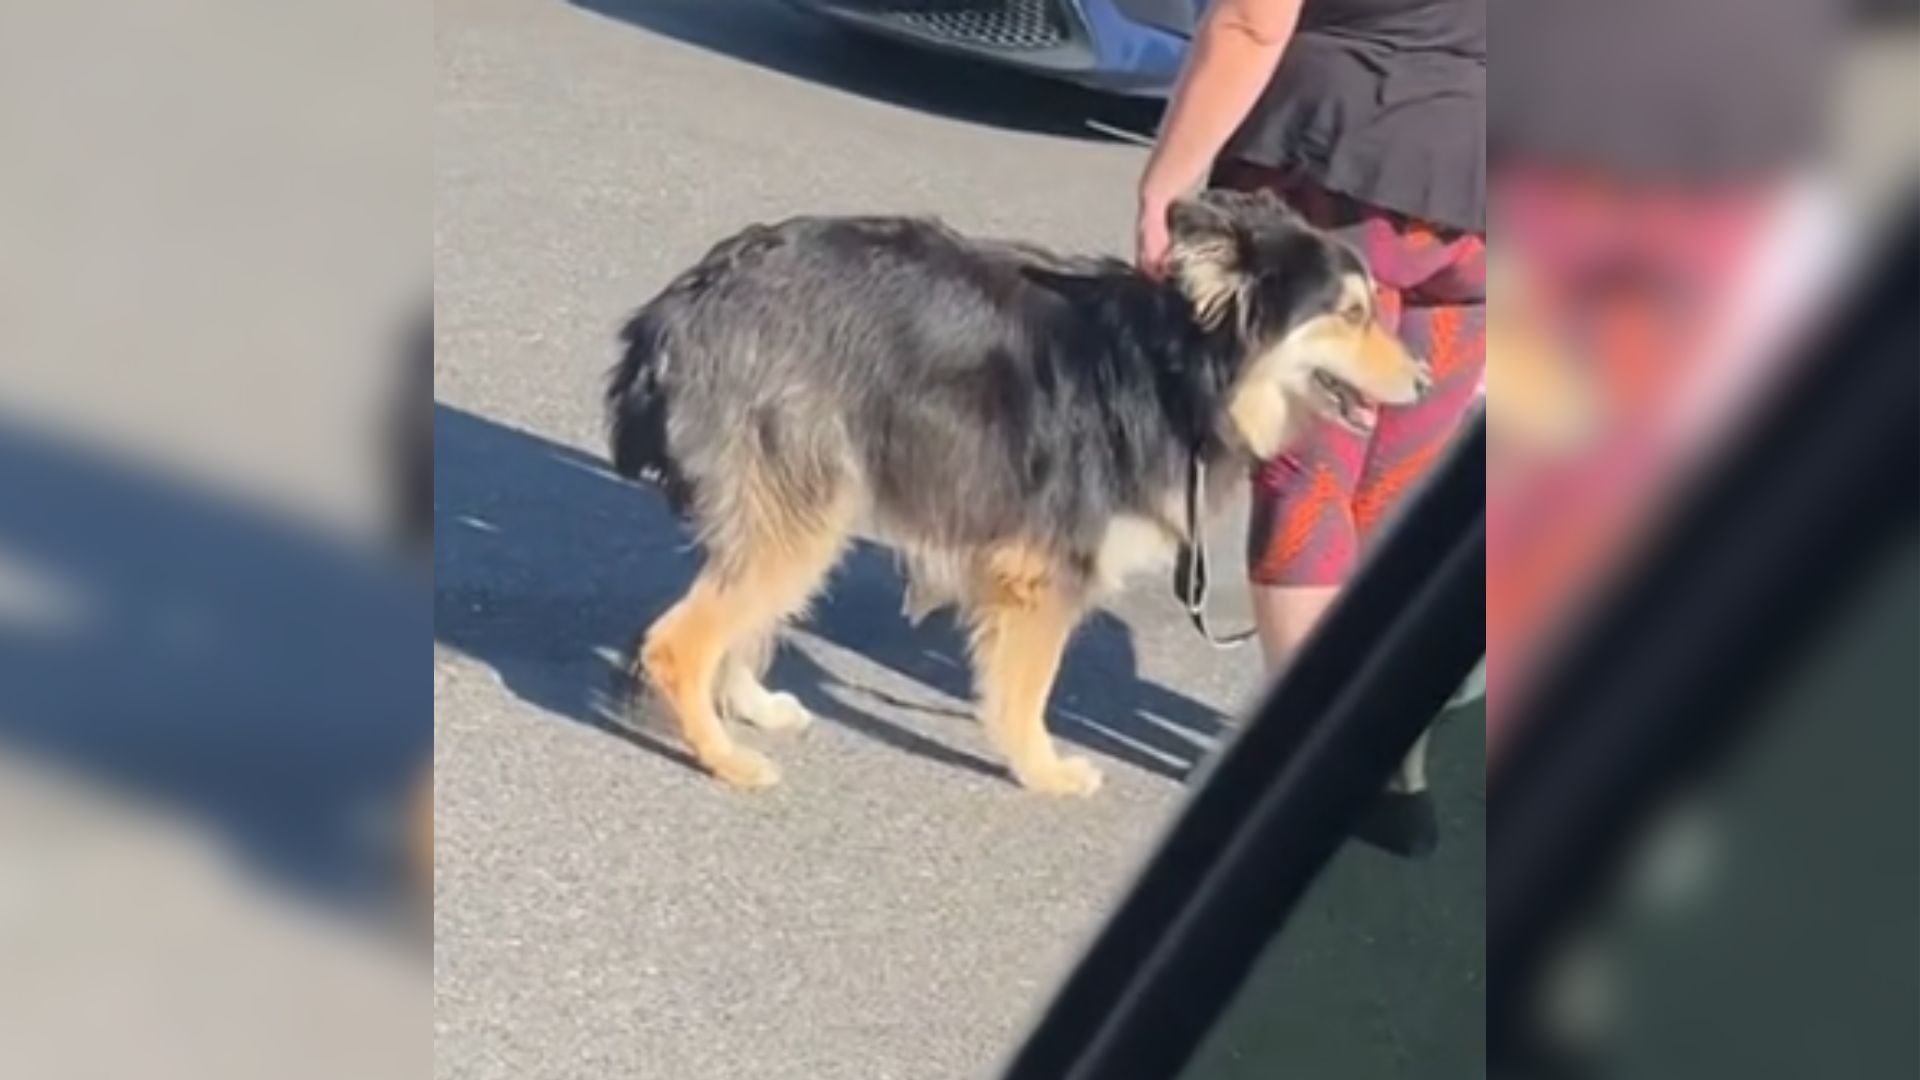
{"type": "Point", "coordinates": [1133, 545]}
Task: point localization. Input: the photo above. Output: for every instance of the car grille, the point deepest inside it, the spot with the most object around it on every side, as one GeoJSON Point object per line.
{"type": "Point", "coordinates": [1023, 25]}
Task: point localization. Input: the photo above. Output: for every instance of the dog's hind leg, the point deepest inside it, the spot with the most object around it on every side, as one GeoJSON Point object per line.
{"type": "Point", "coordinates": [754, 578]}
{"type": "Point", "coordinates": [744, 695]}
{"type": "Point", "coordinates": [1022, 613]}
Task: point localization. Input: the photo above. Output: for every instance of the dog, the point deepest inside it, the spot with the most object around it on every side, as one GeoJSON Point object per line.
{"type": "Point", "coordinates": [1020, 427]}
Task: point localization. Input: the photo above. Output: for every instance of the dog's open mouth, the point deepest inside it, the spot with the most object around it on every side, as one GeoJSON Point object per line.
{"type": "Point", "coordinates": [1344, 402]}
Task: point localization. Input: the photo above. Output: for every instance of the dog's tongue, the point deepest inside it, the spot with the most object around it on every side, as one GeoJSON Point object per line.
{"type": "Point", "coordinates": [1360, 416]}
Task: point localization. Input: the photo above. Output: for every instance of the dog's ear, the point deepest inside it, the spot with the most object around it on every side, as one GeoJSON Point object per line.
{"type": "Point", "coordinates": [1220, 212]}
{"type": "Point", "coordinates": [1207, 252]}
{"type": "Point", "coordinates": [1207, 214]}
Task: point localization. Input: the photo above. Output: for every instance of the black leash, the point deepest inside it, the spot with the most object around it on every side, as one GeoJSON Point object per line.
{"type": "Point", "coordinates": [1190, 575]}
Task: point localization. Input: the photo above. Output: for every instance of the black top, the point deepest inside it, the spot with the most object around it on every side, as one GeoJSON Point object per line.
{"type": "Point", "coordinates": [1662, 91]}
{"type": "Point", "coordinates": [1385, 101]}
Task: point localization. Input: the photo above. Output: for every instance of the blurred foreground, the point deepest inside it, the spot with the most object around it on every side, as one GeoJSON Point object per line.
{"type": "Point", "coordinates": [1711, 235]}
{"type": "Point", "coordinates": [213, 695]}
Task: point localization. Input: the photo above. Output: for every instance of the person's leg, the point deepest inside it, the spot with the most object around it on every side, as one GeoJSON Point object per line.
{"type": "Point", "coordinates": [1302, 542]}
{"type": "Point", "coordinates": [1305, 534]}
{"type": "Point", "coordinates": [1312, 508]}
{"type": "Point", "coordinates": [1304, 538]}
{"type": "Point", "coordinates": [1285, 615]}
{"type": "Point", "coordinates": [1406, 443]}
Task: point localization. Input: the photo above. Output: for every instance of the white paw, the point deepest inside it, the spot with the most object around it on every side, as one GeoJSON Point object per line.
{"type": "Point", "coordinates": [1075, 776]}
{"type": "Point", "coordinates": [743, 769]}
{"type": "Point", "coordinates": [778, 712]}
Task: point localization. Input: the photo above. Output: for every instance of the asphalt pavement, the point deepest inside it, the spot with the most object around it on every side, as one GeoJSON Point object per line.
{"type": "Point", "coordinates": [895, 908]}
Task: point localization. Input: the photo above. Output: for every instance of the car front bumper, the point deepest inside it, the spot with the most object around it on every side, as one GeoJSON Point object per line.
{"type": "Point", "coordinates": [1125, 46]}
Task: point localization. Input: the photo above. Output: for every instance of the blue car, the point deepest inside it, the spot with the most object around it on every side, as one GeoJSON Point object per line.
{"type": "Point", "coordinates": [1130, 47]}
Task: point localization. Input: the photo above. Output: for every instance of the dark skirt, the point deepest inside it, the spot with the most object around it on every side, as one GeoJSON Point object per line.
{"type": "Point", "coordinates": [1391, 112]}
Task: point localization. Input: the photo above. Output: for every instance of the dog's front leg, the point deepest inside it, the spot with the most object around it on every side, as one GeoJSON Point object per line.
{"type": "Point", "coordinates": [1021, 620]}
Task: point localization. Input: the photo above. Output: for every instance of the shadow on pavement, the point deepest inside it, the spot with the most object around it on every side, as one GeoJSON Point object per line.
{"type": "Point", "coordinates": [809, 47]}
{"type": "Point", "coordinates": [547, 567]}
{"type": "Point", "coordinates": [210, 659]}
{"type": "Point", "coordinates": [1100, 702]}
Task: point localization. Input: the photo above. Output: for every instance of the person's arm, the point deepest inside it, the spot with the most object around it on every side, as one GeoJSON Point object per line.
{"type": "Point", "coordinates": [1235, 49]}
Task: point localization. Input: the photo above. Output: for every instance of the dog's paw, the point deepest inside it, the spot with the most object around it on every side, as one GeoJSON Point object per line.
{"type": "Point", "coordinates": [1074, 776]}
{"type": "Point", "coordinates": [747, 770]}
{"type": "Point", "coordinates": [778, 712]}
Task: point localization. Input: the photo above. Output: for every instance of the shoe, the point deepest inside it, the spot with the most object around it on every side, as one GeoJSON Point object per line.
{"type": "Point", "coordinates": [1401, 823]}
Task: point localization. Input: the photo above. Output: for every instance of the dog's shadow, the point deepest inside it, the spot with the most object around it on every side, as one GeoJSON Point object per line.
{"type": "Point", "coordinates": [547, 566]}
{"type": "Point", "coordinates": [210, 657]}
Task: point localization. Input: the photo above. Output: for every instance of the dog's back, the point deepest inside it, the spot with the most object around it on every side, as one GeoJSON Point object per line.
{"type": "Point", "coordinates": [960, 391]}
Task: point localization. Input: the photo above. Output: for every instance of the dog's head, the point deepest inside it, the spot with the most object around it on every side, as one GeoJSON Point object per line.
{"type": "Point", "coordinates": [1301, 309]}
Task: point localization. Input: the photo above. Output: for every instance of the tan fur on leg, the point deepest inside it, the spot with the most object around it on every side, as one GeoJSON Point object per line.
{"type": "Point", "coordinates": [738, 599]}
{"type": "Point", "coordinates": [680, 659]}
{"type": "Point", "coordinates": [1022, 613]}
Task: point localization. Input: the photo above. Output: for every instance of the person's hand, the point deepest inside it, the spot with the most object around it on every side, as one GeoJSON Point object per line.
{"type": "Point", "coordinates": [1150, 235]}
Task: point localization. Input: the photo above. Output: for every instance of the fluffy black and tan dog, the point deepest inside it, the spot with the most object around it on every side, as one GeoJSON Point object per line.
{"type": "Point", "coordinates": [1018, 426]}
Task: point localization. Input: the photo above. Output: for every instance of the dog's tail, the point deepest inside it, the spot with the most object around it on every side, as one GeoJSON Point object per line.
{"type": "Point", "coordinates": [639, 387]}
{"type": "Point", "coordinates": [637, 405]}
